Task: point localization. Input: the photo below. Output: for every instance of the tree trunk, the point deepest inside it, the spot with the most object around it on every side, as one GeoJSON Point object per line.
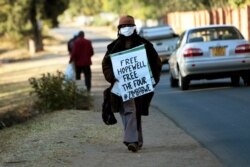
{"type": "Point", "coordinates": [36, 29]}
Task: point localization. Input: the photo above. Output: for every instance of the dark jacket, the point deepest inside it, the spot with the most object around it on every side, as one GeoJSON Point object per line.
{"type": "Point", "coordinates": [142, 102]}
{"type": "Point", "coordinates": [82, 52]}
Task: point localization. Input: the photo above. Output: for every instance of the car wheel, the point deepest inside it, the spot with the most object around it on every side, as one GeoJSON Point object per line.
{"type": "Point", "coordinates": [235, 80]}
{"type": "Point", "coordinates": [173, 81]}
{"type": "Point", "coordinates": [183, 82]}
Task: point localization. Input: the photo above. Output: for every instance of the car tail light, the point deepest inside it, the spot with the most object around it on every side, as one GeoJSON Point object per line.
{"type": "Point", "coordinates": [192, 52]}
{"type": "Point", "coordinates": [245, 48]}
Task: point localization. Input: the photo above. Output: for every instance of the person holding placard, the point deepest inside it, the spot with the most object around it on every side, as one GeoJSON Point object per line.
{"type": "Point", "coordinates": [136, 103]}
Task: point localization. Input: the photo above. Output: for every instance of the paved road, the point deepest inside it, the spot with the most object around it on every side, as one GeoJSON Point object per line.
{"type": "Point", "coordinates": [214, 113]}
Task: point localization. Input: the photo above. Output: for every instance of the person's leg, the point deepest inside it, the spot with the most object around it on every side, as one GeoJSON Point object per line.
{"type": "Point", "coordinates": [128, 115]}
{"type": "Point", "coordinates": [139, 128]}
{"type": "Point", "coordinates": [87, 76]}
{"type": "Point", "coordinates": [78, 72]}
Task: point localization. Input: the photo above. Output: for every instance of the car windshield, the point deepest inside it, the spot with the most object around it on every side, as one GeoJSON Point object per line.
{"type": "Point", "coordinates": [213, 34]}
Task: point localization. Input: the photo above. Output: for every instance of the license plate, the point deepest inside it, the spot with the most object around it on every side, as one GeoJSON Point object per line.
{"type": "Point", "coordinates": [218, 51]}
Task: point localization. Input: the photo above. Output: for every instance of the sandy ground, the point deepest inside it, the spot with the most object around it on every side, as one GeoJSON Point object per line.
{"type": "Point", "coordinates": [80, 139]}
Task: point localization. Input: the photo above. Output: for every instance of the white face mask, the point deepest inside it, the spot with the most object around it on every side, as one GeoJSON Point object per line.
{"type": "Point", "coordinates": [127, 31]}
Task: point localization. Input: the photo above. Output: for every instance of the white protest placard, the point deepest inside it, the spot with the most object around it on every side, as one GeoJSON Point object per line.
{"type": "Point", "coordinates": [132, 71]}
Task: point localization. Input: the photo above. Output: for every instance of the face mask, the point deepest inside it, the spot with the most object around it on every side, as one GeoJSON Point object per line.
{"type": "Point", "coordinates": [127, 31]}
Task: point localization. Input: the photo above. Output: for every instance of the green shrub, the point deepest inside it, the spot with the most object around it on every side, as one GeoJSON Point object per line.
{"type": "Point", "coordinates": [53, 92]}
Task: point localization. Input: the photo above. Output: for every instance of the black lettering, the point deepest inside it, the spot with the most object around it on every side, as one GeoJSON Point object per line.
{"type": "Point", "coordinates": [139, 91]}
{"type": "Point", "coordinates": [135, 59]}
{"type": "Point", "coordinates": [142, 64]}
{"type": "Point", "coordinates": [139, 82]}
{"type": "Point", "coordinates": [120, 71]}
{"type": "Point", "coordinates": [127, 86]}
{"type": "Point", "coordinates": [122, 62]}
{"type": "Point", "coordinates": [127, 61]}
{"type": "Point", "coordinates": [126, 77]}
{"type": "Point", "coordinates": [143, 80]}
{"type": "Point", "coordinates": [131, 60]}
{"type": "Point", "coordinates": [134, 67]}
{"type": "Point", "coordinates": [124, 70]}
{"type": "Point", "coordinates": [130, 76]}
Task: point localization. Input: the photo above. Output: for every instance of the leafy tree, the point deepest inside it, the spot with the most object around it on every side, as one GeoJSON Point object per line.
{"type": "Point", "coordinates": [139, 9]}
{"type": "Point", "coordinates": [22, 16]}
{"type": "Point", "coordinates": [147, 9]}
{"type": "Point", "coordinates": [205, 4]}
{"type": "Point", "coordinates": [44, 9]}
{"type": "Point", "coordinates": [12, 23]}
{"type": "Point", "coordinates": [51, 9]}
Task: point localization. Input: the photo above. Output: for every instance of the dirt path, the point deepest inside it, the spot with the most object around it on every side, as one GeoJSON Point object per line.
{"type": "Point", "coordinates": [79, 138]}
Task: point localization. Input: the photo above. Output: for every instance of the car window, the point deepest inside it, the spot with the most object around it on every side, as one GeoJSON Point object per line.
{"type": "Point", "coordinates": [213, 34]}
{"type": "Point", "coordinates": [180, 40]}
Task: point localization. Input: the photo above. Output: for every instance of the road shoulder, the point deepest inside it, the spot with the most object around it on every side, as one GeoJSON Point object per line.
{"type": "Point", "coordinates": [75, 137]}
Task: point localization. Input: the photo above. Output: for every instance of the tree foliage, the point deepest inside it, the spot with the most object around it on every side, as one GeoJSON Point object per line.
{"type": "Point", "coordinates": [12, 18]}
{"type": "Point", "coordinates": [51, 9]}
{"type": "Point", "coordinates": [16, 15]}
{"type": "Point", "coordinates": [238, 3]}
{"type": "Point", "coordinates": [148, 9]}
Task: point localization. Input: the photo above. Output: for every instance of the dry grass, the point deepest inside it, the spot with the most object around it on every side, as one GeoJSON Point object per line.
{"type": "Point", "coordinates": [15, 104]}
{"type": "Point", "coordinates": [13, 95]}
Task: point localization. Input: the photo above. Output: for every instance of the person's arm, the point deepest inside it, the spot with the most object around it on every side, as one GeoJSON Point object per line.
{"type": "Point", "coordinates": [72, 55]}
{"type": "Point", "coordinates": [108, 69]}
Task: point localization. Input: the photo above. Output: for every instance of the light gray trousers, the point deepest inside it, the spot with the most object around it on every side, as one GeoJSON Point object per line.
{"type": "Point", "coordinates": [131, 123]}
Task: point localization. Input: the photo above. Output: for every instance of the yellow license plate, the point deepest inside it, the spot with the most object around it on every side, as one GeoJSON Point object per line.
{"type": "Point", "coordinates": [218, 51]}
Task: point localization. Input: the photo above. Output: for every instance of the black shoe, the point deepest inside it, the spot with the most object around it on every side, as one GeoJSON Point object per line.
{"type": "Point", "coordinates": [133, 147]}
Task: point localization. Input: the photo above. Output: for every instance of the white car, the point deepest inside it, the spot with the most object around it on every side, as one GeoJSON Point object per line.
{"type": "Point", "coordinates": [163, 38]}
{"type": "Point", "coordinates": [210, 52]}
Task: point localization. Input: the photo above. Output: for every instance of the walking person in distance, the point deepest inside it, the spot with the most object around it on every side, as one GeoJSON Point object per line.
{"type": "Point", "coordinates": [81, 56]}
